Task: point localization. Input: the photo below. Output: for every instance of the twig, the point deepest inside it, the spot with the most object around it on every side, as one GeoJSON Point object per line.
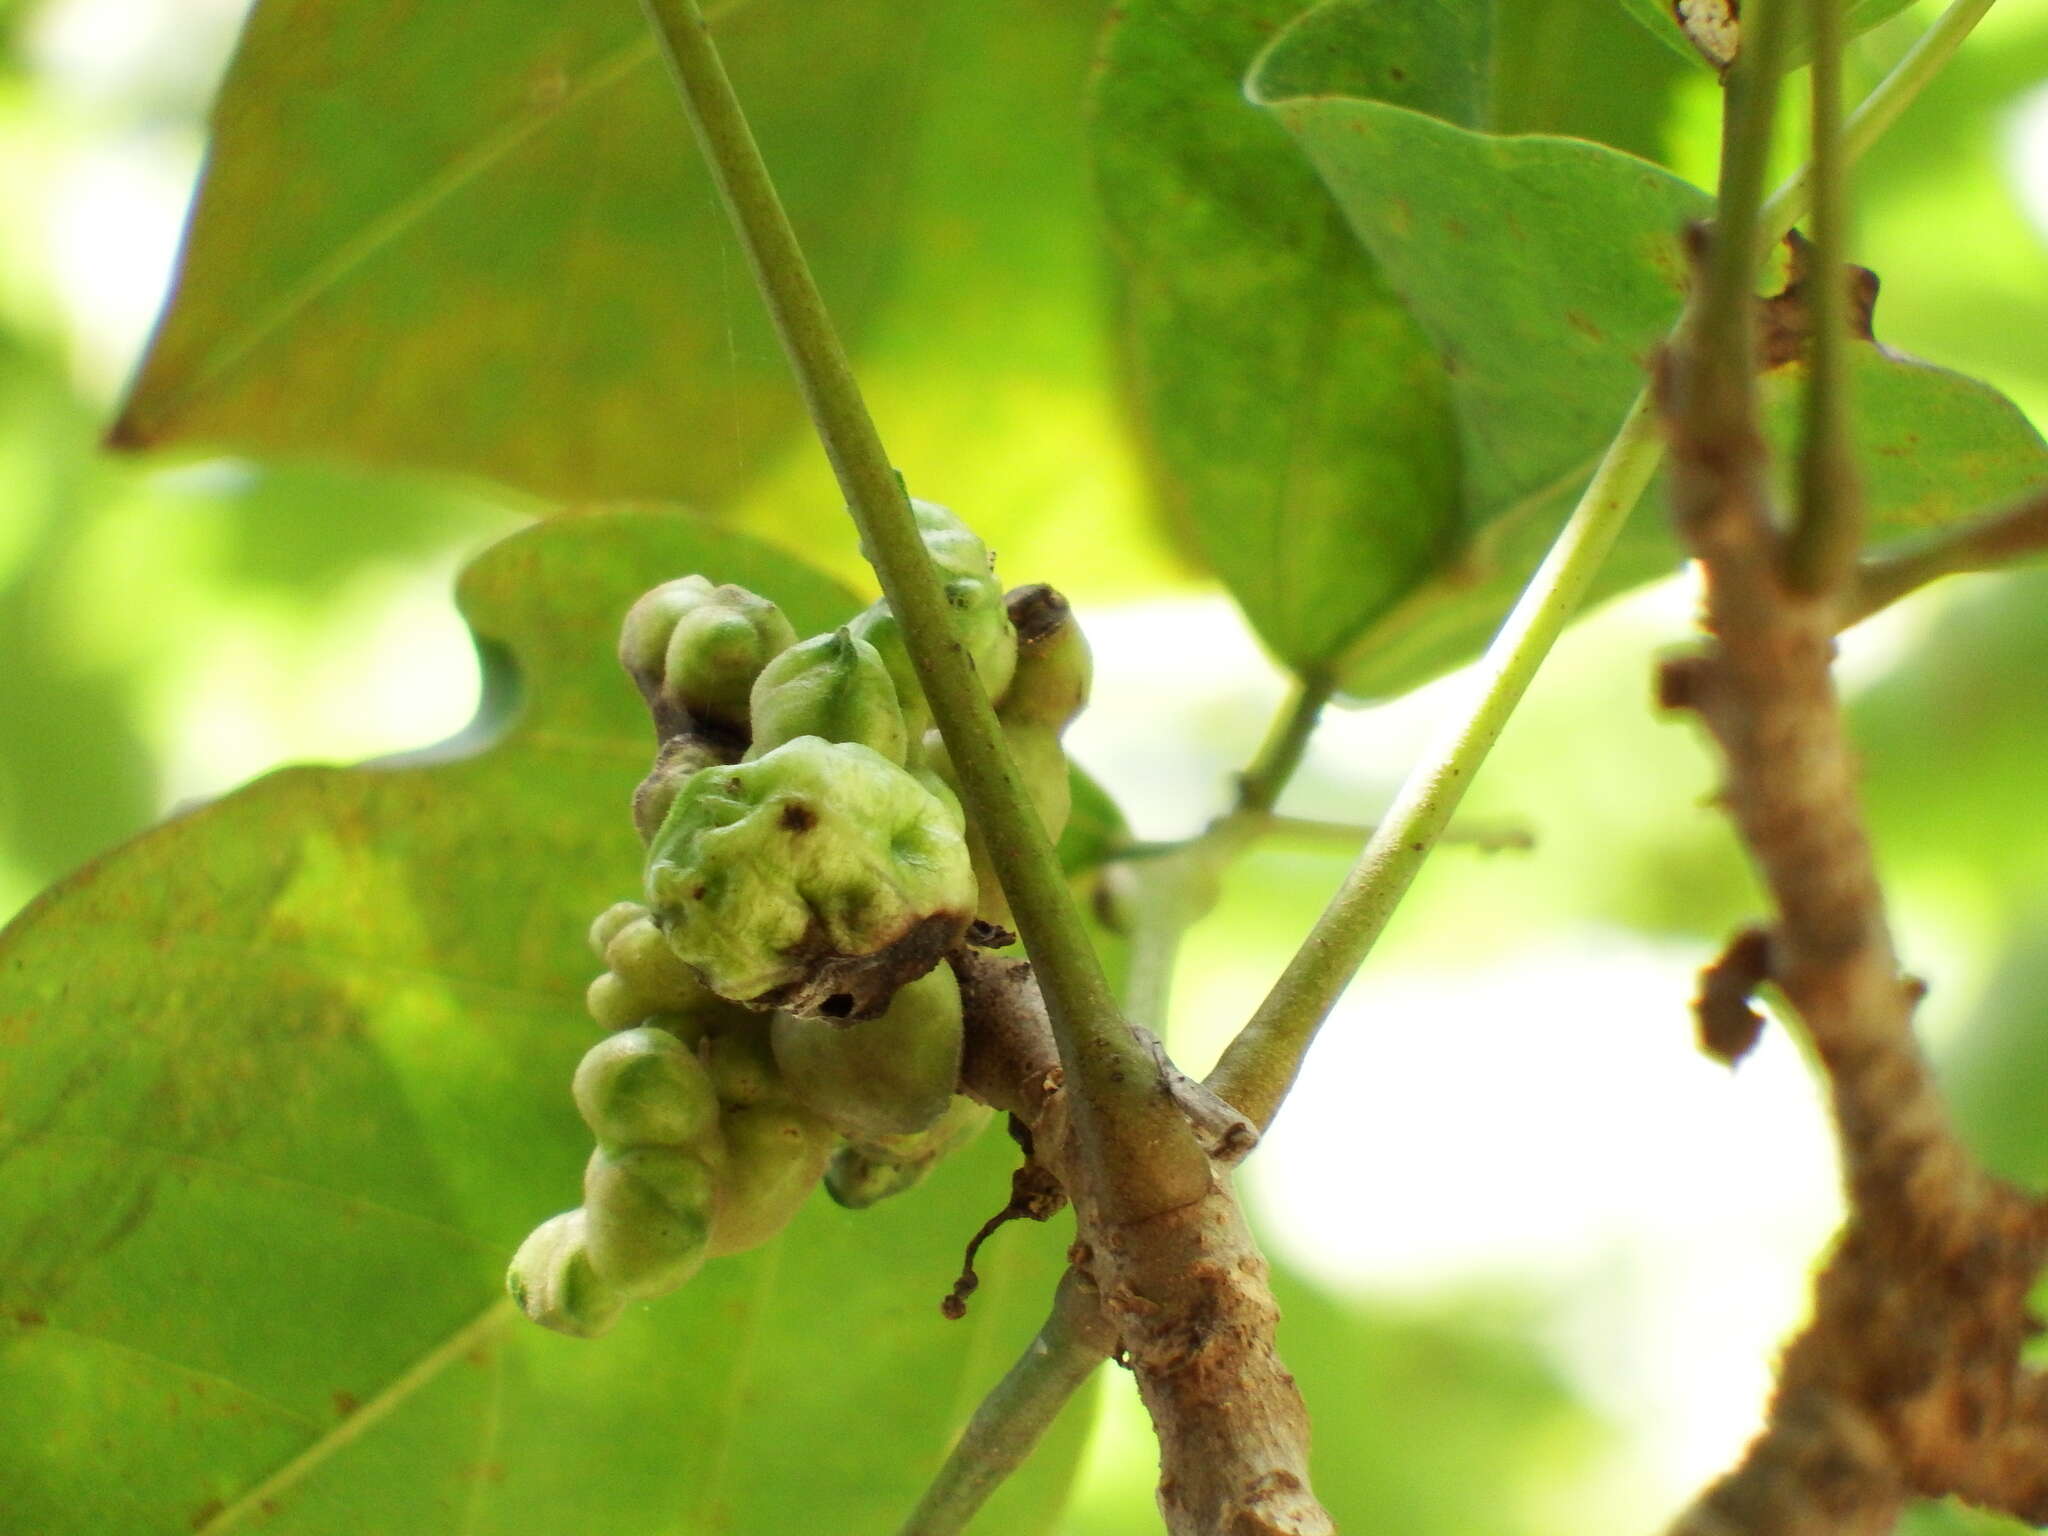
{"type": "Point", "coordinates": [2012, 533]}
{"type": "Point", "coordinates": [1014, 1417]}
{"type": "Point", "coordinates": [1126, 1122]}
{"type": "Point", "coordinates": [1184, 1293]}
{"type": "Point", "coordinates": [1907, 1382]}
{"type": "Point", "coordinates": [1258, 788]}
{"type": "Point", "coordinates": [1827, 534]}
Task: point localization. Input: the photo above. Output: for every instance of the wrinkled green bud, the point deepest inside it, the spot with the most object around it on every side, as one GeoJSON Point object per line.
{"type": "Point", "coordinates": [818, 878]}
{"type": "Point", "coordinates": [863, 1172]}
{"type": "Point", "coordinates": [680, 758]}
{"type": "Point", "coordinates": [886, 1076]}
{"type": "Point", "coordinates": [774, 1155]}
{"type": "Point", "coordinates": [695, 649]}
{"type": "Point", "coordinates": [833, 686]}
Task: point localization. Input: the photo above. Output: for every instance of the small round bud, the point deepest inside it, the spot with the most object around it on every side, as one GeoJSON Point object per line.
{"type": "Point", "coordinates": [864, 1172]}
{"type": "Point", "coordinates": [832, 686]}
{"type": "Point", "coordinates": [645, 1087]}
{"type": "Point", "coordinates": [614, 1003]}
{"type": "Point", "coordinates": [610, 921]}
{"type": "Point", "coordinates": [640, 957]}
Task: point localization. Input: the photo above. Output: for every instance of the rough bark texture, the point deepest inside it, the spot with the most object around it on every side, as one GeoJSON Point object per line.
{"type": "Point", "coordinates": [1908, 1382]}
{"type": "Point", "coordinates": [1184, 1291]}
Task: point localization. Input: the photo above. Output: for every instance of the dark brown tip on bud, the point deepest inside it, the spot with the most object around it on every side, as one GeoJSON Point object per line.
{"type": "Point", "coordinates": [1038, 612]}
{"type": "Point", "coordinates": [845, 989]}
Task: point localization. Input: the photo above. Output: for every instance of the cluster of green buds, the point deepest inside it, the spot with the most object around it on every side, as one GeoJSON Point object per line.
{"type": "Point", "coordinates": [779, 1010]}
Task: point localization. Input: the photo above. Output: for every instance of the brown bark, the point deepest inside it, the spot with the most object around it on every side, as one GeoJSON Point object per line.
{"type": "Point", "coordinates": [1908, 1382]}
{"type": "Point", "coordinates": [1184, 1291]}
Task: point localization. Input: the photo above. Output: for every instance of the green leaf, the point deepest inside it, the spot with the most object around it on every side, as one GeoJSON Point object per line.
{"type": "Point", "coordinates": [491, 247]}
{"type": "Point", "coordinates": [1546, 272]}
{"type": "Point", "coordinates": [285, 1081]}
{"type": "Point", "coordinates": [1297, 422]}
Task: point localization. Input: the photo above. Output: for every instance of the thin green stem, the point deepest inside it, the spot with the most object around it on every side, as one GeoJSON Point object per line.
{"type": "Point", "coordinates": [1258, 789]}
{"type": "Point", "coordinates": [1260, 1064]}
{"type": "Point", "coordinates": [1122, 1118]}
{"type": "Point", "coordinates": [1723, 333]}
{"type": "Point", "coordinates": [1881, 108]}
{"type": "Point", "coordinates": [2017, 531]}
{"type": "Point", "coordinates": [1017, 1412]}
{"type": "Point", "coordinates": [1828, 532]}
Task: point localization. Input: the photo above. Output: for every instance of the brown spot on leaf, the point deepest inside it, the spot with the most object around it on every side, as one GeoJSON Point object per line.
{"type": "Point", "coordinates": [204, 1515]}
{"type": "Point", "coordinates": [346, 1403]}
{"type": "Point", "coordinates": [798, 818]}
{"type": "Point", "coordinates": [1584, 326]}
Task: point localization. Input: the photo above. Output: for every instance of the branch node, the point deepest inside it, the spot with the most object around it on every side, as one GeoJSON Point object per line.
{"type": "Point", "coordinates": [1729, 1026]}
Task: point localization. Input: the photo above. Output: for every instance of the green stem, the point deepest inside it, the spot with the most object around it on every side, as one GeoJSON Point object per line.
{"type": "Point", "coordinates": [1124, 1121]}
{"type": "Point", "coordinates": [2017, 531]}
{"type": "Point", "coordinates": [1881, 108]}
{"type": "Point", "coordinates": [1258, 789]}
{"type": "Point", "coordinates": [1261, 1062]}
{"type": "Point", "coordinates": [1017, 1412]}
{"type": "Point", "coordinates": [1827, 535]}
{"type": "Point", "coordinates": [1724, 335]}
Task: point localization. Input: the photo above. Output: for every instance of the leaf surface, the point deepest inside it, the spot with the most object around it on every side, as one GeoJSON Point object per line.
{"type": "Point", "coordinates": [1296, 420]}
{"type": "Point", "coordinates": [428, 237]}
{"type": "Point", "coordinates": [1545, 272]}
{"type": "Point", "coordinates": [284, 1081]}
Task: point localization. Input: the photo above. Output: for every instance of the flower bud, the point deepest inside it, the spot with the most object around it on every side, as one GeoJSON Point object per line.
{"type": "Point", "coordinates": [833, 686]}
{"type": "Point", "coordinates": [818, 879]}
{"type": "Point", "coordinates": [694, 650]}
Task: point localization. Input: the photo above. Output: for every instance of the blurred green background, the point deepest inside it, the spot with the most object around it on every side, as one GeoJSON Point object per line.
{"type": "Point", "coordinates": [1534, 1251]}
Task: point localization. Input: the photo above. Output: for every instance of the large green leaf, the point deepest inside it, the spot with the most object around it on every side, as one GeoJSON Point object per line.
{"type": "Point", "coordinates": [283, 1082]}
{"type": "Point", "coordinates": [1297, 421]}
{"type": "Point", "coordinates": [1545, 272]}
{"type": "Point", "coordinates": [487, 244]}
